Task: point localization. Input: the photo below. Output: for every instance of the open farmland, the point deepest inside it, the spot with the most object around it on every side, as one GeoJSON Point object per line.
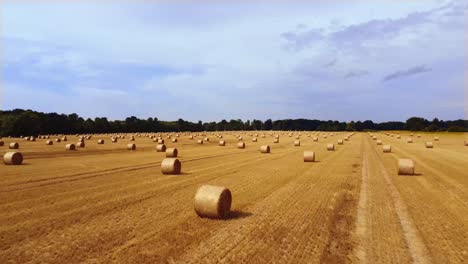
{"type": "Point", "coordinates": [104, 203]}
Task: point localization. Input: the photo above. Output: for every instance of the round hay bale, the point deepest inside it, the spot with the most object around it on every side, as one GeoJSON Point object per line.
{"type": "Point", "coordinates": [409, 140]}
{"type": "Point", "coordinates": [32, 138]}
{"type": "Point", "coordinates": [297, 143]}
{"type": "Point", "coordinates": [2, 143]}
{"type": "Point", "coordinates": [429, 144]}
{"type": "Point", "coordinates": [160, 141]}
{"type": "Point", "coordinates": [174, 140]}
{"type": "Point", "coordinates": [330, 147]}
{"type": "Point", "coordinates": [241, 145]}
{"type": "Point", "coordinates": [100, 141]}
{"type": "Point", "coordinates": [131, 146]}
{"type": "Point", "coordinates": [132, 138]}
{"type": "Point", "coordinates": [114, 140]}
{"type": "Point", "coordinates": [315, 139]}
{"type": "Point", "coordinates": [206, 139]}
{"type": "Point", "coordinates": [13, 145]}
{"type": "Point", "coordinates": [70, 147]}
{"type": "Point", "coordinates": [64, 138]}
{"type": "Point", "coordinates": [80, 144]}
{"type": "Point", "coordinates": [276, 140]}
{"type": "Point", "coordinates": [346, 138]}
{"type": "Point", "coordinates": [265, 149]}
{"type": "Point", "coordinates": [222, 143]}
{"type": "Point", "coordinates": [49, 142]}
{"type": "Point", "coordinates": [190, 137]}
{"type": "Point", "coordinates": [200, 141]}
{"type": "Point", "coordinates": [58, 140]}
{"type": "Point", "coordinates": [436, 138]}
{"type": "Point", "coordinates": [170, 166]}
{"type": "Point", "coordinates": [309, 156]}
{"type": "Point", "coordinates": [405, 167]}
{"type": "Point", "coordinates": [13, 158]}
{"type": "Point", "coordinates": [379, 142]}
{"type": "Point", "coordinates": [239, 138]}
{"type": "Point", "coordinates": [465, 142]}
{"type": "Point", "coordinates": [171, 153]}
{"type": "Point", "coordinates": [160, 148]}
{"type": "Point", "coordinates": [340, 142]}
{"type": "Point", "coordinates": [254, 139]}
{"type": "Point", "coordinates": [398, 137]}
{"type": "Point", "coordinates": [387, 148]}
{"type": "Point", "coordinates": [213, 201]}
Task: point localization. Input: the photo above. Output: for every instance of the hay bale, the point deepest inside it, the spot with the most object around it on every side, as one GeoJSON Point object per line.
{"type": "Point", "coordinates": [346, 138]}
{"type": "Point", "coordinates": [171, 153]}
{"type": "Point", "coordinates": [265, 149]}
{"type": "Point", "coordinates": [429, 144]}
{"type": "Point", "coordinates": [49, 142]}
{"type": "Point", "coordinates": [405, 167]}
{"type": "Point", "coordinates": [436, 138]}
{"type": "Point", "coordinates": [160, 141]}
{"type": "Point", "coordinates": [315, 139]}
{"type": "Point", "coordinates": [465, 142]}
{"type": "Point", "coordinates": [340, 142]}
{"type": "Point", "coordinates": [309, 156]}
{"type": "Point", "coordinates": [276, 140]}
{"type": "Point", "coordinates": [58, 140]}
{"type": "Point", "coordinates": [13, 158]}
{"type": "Point", "coordinates": [409, 140]}
{"type": "Point", "coordinates": [190, 137]}
{"type": "Point", "coordinates": [240, 138]}
{"type": "Point", "coordinates": [213, 201]}
{"type": "Point", "coordinates": [100, 141]}
{"type": "Point", "coordinates": [65, 138]}
{"type": "Point", "coordinates": [398, 137]}
{"type": "Point", "coordinates": [2, 143]}
{"type": "Point", "coordinates": [330, 147]}
{"type": "Point", "coordinates": [387, 148]}
{"type": "Point", "coordinates": [297, 143]}
{"type": "Point", "coordinates": [131, 146]}
{"type": "Point", "coordinates": [170, 166]}
{"type": "Point", "coordinates": [13, 145]}
{"type": "Point", "coordinates": [80, 144]}
{"type": "Point", "coordinates": [379, 142]}
{"type": "Point", "coordinates": [132, 138]}
{"type": "Point", "coordinates": [200, 141]}
{"type": "Point", "coordinates": [114, 140]}
{"type": "Point", "coordinates": [160, 148]}
{"type": "Point", "coordinates": [206, 139]}
{"type": "Point", "coordinates": [254, 139]}
{"type": "Point", "coordinates": [70, 147]}
{"type": "Point", "coordinates": [174, 140]}
{"type": "Point", "coordinates": [222, 143]}
{"type": "Point", "coordinates": [241, 145]}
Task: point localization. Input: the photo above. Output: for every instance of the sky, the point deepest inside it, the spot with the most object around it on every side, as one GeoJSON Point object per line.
{"type": "Point", "coordinates": [214, 60]}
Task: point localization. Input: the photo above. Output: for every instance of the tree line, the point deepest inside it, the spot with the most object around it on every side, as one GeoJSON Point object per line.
{"type": "Point", "coordinates": [19, 122]}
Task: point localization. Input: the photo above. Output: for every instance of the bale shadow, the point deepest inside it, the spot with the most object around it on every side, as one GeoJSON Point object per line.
{"type": "Point", "coordinates": [236, 214]}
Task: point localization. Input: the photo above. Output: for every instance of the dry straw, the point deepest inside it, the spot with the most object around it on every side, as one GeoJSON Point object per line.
{"type": "Point", "coordinates": [405, 167]}
{"type": "Point", "coordinates": [213, 201]}
{"type": "Point", "coordinates": [309, 156]}
{"type": "Point", "coordinates": [131, 146]}
{"type": "Point", "coordinates": [13, 158]}
{"type": "Point", "coordinates": [171, 153]}
{"type": "Point", "coordinates": [13, 145]}
{"type": "Point", "coordinates": [171, 166]}
{"type": "Point", "coordinates": [160, 148]}
{"type": "Point", "coordinates": [265, 149]}
{"type": "Point", "coordinates": [387, 148]}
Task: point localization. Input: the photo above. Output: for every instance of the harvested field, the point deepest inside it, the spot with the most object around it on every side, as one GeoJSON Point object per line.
{"type": "Point", "coordinates": [103, 203]}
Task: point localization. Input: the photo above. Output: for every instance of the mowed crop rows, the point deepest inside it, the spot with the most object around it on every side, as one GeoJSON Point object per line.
{"type": "Point", "coordinates": [104, 203]}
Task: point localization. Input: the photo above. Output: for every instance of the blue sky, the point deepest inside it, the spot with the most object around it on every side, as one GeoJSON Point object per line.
{"type": "Point", "coordinates": [340, 60]}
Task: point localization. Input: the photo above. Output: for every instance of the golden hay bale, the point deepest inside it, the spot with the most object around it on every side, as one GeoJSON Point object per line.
{"type": "Point", "coordinates": [418, 135]}
{"type": "Point", "coordinates": [276, 140]}
{"type": "Point", "coordinates": [465, 142]}
{"type": "Point", "coordinates": [241, 145]}
{"type": "Point", "coordinates": [398, 137]}
{"type": "Point", "coordinates": [265, 149]}
{"type": "Point", "coordinates": [160, 148]}
{"type": "Point", "coordinates": [346, 138]}
{"type": "Point", "coordinates": [64, 138]}
{"type": "Point", "coordinates": [213, 201]}
{"type": "Point", "coordinates": [263, 136]}
{"type": "Point", "coordinates": [206, 139]}
{"type": "Point", "coordinates": [340, 142]}
{"type": "Point", "coordinates": [405, 167]}
{"type": "Point", "coordinates": [100, 141]}
{"type": "Point", "coordinates": [70, 147]}
{"type": "Point", "coordinates": [387, 148]}
{"type": "Point", "coordinates": [436, 138]}
{"type": "Point", "coordinates": [174, 140]}
{"type": "Point", "coordinates": [132, 138]}
{"type": "Point", "coordinates": [58, 140]}
{"type": "Point", "coordinates": [2, 143]}
{"type": "Point", "coordinates": [114, 140]}
{"type": "Point", "coordinates": [297, 143]}
{"type": "Point", "coordinates": [32, 138]}
{"type": "Point", "coordinates": [49, 142]}
{"type": "Point", "coordinates": [131, 146]}
{"type": "Point", "coordinates": [13, 158]}
{"type": "Point", "coordinates": [309, 156]}
{"type": "Point", "coordinates": [200, 141]}
{"type": "Point", "coordinates": [160, 141]}
{"type": "Point", "coordinates": [297, 137]}
{"type": "Point", "coordinates": [80, 144]}
{"type": "Point", "coordinates": [429, 144]}
{"type": "Point", "coordinates": [315, 139]}
{"type": "Point", "coordinates": [379, 142]}
{"type": "Point", "coordinates": [171, 166]}
{"type": "Point", "coordinates": [13, 145]}
{"type": "Point", "coordinates": [88, 137]}
{"type": "Point", "coordinates": [190, 137]}
{"type": "Point", "coordinates": [409, 140]}
{"type": "Point", "coordinates": [171, 153]}
{"type": "Point", "coordinates": [254, 139]}
{"type": "Point", "coordinates": [240, 138]}
{"type": "Point", "coordinates": [222, 143]}
{"type": "Point", "coordinates": [330, 146]}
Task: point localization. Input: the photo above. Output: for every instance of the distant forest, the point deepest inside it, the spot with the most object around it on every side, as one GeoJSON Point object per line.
{"type": "Point", "coordinates": [20, 122]}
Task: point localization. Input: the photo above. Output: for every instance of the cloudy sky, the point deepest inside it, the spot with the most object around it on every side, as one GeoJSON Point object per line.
{"type": "Point", "coordinates": [340, 60]}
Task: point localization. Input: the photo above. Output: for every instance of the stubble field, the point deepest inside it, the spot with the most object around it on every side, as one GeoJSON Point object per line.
{"type": "Point", "coordinates": [104, 203]}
